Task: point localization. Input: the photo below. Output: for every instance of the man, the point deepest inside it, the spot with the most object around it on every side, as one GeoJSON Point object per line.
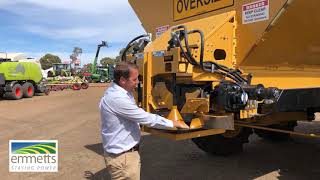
{"type": "Point", "coordinates": [120, 118]}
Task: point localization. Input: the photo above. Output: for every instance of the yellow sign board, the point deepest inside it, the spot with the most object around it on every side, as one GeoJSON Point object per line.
{"type": "Point", "coordinates": [187, 8]}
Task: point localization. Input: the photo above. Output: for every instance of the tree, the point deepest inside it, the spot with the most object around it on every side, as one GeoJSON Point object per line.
{"type": "Point", "coordinates": [47, 60]}
{"type": "Point", "coordinates": [107, 60]}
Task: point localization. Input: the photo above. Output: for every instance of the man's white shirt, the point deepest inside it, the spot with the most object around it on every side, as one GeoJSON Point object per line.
{"type": "Point", "coordinates": [120, 118]}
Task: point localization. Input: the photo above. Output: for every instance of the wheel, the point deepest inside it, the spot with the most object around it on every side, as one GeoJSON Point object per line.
{"type": "Point", "coordinates": [1, 93]}
{"type": "Point", "coordinates": [76, 86]}
{"type": "Point", "coordinates": [50, 74]}
{"type": "Point", "coordinates": [102, 80]}
{"type": "Point", "coordinates": [16, 93]}
{"type": "Point", "coordinates": [277, 136]}
{"type": "Point", "coordinates": [47, 91]}
{"type": "Point", "coordinates": [225, 144]}
{"type": "Point", "coordinates": [84, 85]}
{"type": "Point", "coordinates": [28, 90]}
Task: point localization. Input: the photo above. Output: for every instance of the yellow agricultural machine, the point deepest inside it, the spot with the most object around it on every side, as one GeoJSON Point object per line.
{"type": "Point", "coordinates": [229, 68]}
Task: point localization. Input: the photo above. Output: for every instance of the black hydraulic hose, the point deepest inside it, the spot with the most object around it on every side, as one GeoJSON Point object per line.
{"type": "Point", "coordinates": [184, 53]}
{"type": "Point", "coordinates": [229, 76]}
{"type": "Point", "coordinates": [232, 72]}
{"type": "Point", "coordinates": [123, 56]}
{"type": "Point", "coordinates": [185, 34]}
{"type": "Point", "coordinates": [201, 45]}
{"type": "Point", "coordinates": [227, 72]}
{"type": "Point", "coordinates": [239, 76]}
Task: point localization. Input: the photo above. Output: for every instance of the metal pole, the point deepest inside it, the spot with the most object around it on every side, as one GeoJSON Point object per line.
{"type": "Point", "coordinates": [279, 130]}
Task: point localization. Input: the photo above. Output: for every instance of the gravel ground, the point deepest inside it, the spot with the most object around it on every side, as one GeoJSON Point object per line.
{"type": "Point", "coordinates": [72, 118]}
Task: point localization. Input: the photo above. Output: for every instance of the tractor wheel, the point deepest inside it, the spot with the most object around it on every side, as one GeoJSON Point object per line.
{"type": "Point", "coordinates": [84, 85]}
{"type": "Point", "coordinates": [224, 144]}
{"type": "Point", "coordinates": [76, 86]}
{"type": "Point", "coordinates": [50, 74]}
{"type": "Point", "coordinates": [277, 136]}
{"type": "Point", "coordinates": [28, 90]}
{"type": "Point", "coordinates": [16, 93]}
{"type": "Point", "coordinates": [102, 80]}
{"type": "Point", "coordinates": [47, 91]}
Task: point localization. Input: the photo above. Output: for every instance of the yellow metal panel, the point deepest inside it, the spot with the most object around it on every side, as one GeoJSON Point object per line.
{"type": "Point", "coordinates": [162, 97]}
{"type": "Point", "coordinates": [282, 51]}
{"type": "Point", "coordinates": [219, 33]}
{"type": "Point", "coordinates": [285, 78]}
{"type": "Point", "coordinates": [194, 105]}
{"type": "Point", "coordinates": [182, 136]}
{"type": "Point", "coordinates": [292, 40]}
{"type": "Point", "coordinates": [155, 13]}
{"type": "Point", "coordinates": [247, 35]}
{"type": "Point", "coordinates": [159, 62]}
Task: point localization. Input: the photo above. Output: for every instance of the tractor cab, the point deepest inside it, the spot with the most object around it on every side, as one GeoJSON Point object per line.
{"type": "Point", "coordinates": [60, 69]}
{"type": "Point", "coordinates": [102, 71]}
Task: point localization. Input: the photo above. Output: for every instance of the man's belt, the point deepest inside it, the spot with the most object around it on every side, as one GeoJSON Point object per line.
{"type": "Point", "coordinates": [134, 148]}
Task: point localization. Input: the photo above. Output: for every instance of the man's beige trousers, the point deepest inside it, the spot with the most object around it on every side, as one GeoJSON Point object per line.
{"type": "Point", "coordinates": [124, 166]}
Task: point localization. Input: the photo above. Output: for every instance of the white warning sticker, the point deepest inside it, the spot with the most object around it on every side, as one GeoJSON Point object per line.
{"type": "Point", "coordinates": [255, 12]}
{"type": "Point", "coordinates": [161, 30]}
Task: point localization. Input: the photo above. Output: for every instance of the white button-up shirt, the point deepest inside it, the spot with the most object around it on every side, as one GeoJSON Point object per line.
{"type": "Point", "coordinates": [120, 118]}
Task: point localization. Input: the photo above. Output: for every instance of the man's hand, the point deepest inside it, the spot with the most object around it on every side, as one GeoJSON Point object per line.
{"type": "Point", "coordinates": [180, 125]}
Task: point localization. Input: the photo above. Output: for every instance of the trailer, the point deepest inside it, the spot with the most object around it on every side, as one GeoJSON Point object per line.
{"type": "Point", "coordinates": [228, 68]}
{"type": "Point", "coordinates": [59, 83]}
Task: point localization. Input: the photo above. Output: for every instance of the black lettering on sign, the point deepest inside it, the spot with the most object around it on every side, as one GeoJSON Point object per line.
{"type": "Point", "coordinates": [187, 5]}
{"type": "Point", "coordinates": [188, 8]}
{"type": "Point", "coordinates": [179, 6]}
{"type": "Point", "coordinates": [206, 2]}
{"type": "Point", "coordinates": [199, 1]}
{"type": "Point", "coordinates": [192, 4]}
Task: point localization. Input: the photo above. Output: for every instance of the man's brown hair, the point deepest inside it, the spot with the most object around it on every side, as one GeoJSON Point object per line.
{"type": "Point", "coordinates": [122, 69]}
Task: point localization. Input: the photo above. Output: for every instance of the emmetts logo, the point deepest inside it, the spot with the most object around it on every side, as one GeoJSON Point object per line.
{"type": "Point", "coordinates": [33, 156]}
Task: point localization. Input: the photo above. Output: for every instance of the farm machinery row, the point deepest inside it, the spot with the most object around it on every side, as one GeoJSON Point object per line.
{"type": "Point", "coordinates": [62, 76]}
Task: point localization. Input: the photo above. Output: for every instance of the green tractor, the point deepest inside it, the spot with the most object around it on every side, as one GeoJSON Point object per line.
{"type": "Point", "coordinates": [20, 79]}
{"type": "Point", "coordinates": [103, 74]}
{"type": "Point", "coordinates": [100, 74]}
{"type": "Point", "coordinates": [60, 69]}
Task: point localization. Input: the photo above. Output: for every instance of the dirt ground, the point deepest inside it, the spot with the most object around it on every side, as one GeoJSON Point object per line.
{"type": "Point", "coordinates": [72, 118]}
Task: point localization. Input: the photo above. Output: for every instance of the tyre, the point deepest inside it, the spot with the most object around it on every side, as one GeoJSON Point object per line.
{"type": "Point", "coordinates": [47, 91]}
{"type": "Point", "coordinates": [50, 74]}
{"type": "Point", "coordinates": [84, 85]}
{"type": "Point", "coordinates": [277, 136]}
{"type": "Point", "coordinates": [28, 90]}
{"type": "Point", "coordinates": [102, 80]}
{"type": "Point", "coordinates": [76, 86]}
{"type": "Point", "coordinates": [1, 93]}
{"type": "Point", "coordinates": [16, 93]}
{"type": "Point", "coordinates": [224, 144]}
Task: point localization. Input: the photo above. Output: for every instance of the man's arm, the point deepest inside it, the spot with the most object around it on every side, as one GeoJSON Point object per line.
{"type": "Point", "coordinates": [129, 110]}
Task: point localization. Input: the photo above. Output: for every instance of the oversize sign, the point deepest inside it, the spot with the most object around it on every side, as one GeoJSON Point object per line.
{"type": "Point", "coordinates": [187, 8]}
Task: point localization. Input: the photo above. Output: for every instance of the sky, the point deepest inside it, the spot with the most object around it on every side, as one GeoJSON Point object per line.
{"type": "Point", "coordinates": [37, 27]}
